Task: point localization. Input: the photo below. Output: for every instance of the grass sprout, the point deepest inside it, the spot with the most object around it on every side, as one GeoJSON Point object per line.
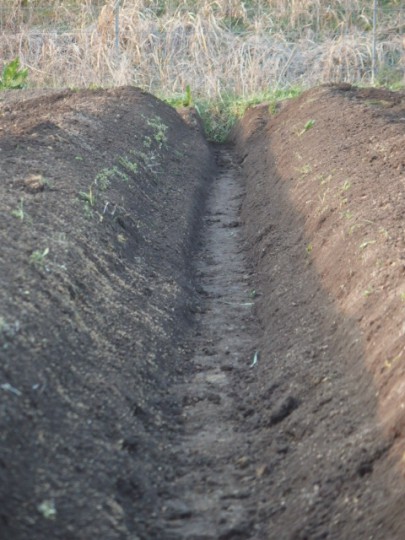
{"type": "Point", "coordinates": [309, 125]}
{"type": "Point", "coordinates": [37, 257]}
{"type": "Point", "coordinates": [19, 211]}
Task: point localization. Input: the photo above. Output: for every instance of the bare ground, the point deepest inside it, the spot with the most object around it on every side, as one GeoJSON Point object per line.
{"type": "Point", "coordinates": [199, 352]}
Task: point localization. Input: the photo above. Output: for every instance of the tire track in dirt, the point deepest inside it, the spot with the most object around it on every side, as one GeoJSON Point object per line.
{"type": "Point", "coordinates": [213, 495]}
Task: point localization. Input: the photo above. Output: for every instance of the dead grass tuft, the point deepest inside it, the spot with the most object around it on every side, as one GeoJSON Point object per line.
{"type": "Point", "coordinates": [232, 46]}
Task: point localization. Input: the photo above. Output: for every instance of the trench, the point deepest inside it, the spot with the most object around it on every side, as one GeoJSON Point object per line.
{"type": "Point", "coordinates": [281, 444]}
{"type": "Point", "coordinates": [279, 433]}
{"type": "Point", "coordinates": [211, 495]}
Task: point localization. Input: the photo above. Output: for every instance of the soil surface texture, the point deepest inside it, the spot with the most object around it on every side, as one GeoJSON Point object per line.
{"type": "Point", "coordinates": [202, 342]}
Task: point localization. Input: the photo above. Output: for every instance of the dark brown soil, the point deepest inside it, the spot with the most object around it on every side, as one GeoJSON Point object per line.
{"type": "Point", "coordinates": [191, 351]}
{"type": "Point", "coordinates": [95, 303]}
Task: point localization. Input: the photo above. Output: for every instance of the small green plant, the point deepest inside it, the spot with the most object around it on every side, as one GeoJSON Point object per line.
{"type": "Point", "coordinates": [188, 100]}
{"type": "Point", "coordinates": [127, 164]}
{"type": "Point", "coordinates": [309, 248]}
{"type": "Point", "coordinates": [220, 114]}
{"type": "Point", "coordinates": [147, 142]}
{"type": "Point", "coordinates": [89, 200]}
{"type": "Point", "coordinates": [346, 186]}
{"type": "Point", "coordinates": [47, 509]}
{"type": "Point", "coordinates": [160, 130]}
{"type": "Point", "coordinates": [305, 169]}
{"type": "Point", "coordinates": [402, 296]}
{"type": "Point", "coordinates": [88, 196]}
{"type": "Point", "coordinates": [368, 292]}
{"type": "Point", "coordinates": [309, 125]}
{"type": "Point", "coordinates": [19, 211]}
{"type": "Point", "coordinates": [273, 106]}
{"type": "Point", "coordinates": [12, 76]}
{"type": "Point", "coordinates": [103, 179]}
{"type": "Point", "coordinates": [124, 177]}
{"type": "Point", "coordinates": [367, 243]}
{"type": "Point", "coordinates": [37, 257]}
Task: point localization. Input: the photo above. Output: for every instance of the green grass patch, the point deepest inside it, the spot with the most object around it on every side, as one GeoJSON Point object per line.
{"type": "Point", "coordinates": [12, 76]}
{"type": "Point", "coordinates": [220, 115]}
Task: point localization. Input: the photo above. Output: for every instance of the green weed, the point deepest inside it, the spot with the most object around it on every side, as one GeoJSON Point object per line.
{"type": "Point", "coordinates": [309, 125]}
{"type": "Point", "coordinates": [19, 211]}
{"type": "Point", "coordinates": [122, 239]}
{"type": "Point", "coordinates": [88, 197]}
{"type": "Point", "coordinates": [37, 257]}
{"type": "Point", "coordinates": [159, 130]}
{"type": "Point", "coordinates": [188, 100]}
{"type": "Point", "coordinates": [305, 169]}
{"type": "Point", "coordinates": [346, 186]}
{"type": "Point", "coordinates": [147, 142]}
{"type": "Point", "coordinates": [47, 509]}
{"type": "Point", "coordinates": [368, 292]}
{"type": "Point", "coordinates": [123, 176]}
{"type": "Point", "coordinates": [88, 211]}
{"type": "Point", "coordinates": [103, 179]}
{"type": "Point", "coordinates": [127, 164]}
{"type": "Point", "coordinates": [12, 76]}
{"type": "Point", "coordinates": [220, 115]}
{"type": "Point", "coordinates": [367, 243]}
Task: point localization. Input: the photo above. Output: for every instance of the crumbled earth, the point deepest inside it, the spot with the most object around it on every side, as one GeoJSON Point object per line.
{"type": "Point", "coordinates": [202, 342]}
{"type": "Point", "coordinates": [324, 223]}
{"type": "Point", "coordinates": [101, 193]}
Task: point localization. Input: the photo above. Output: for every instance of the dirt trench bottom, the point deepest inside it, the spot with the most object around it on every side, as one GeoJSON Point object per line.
{"type": "Point", "coordinates": [211, 490]}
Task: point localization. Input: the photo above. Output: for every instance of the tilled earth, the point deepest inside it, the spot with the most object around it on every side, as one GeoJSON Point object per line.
{"type": "Point", "coordinates": [202, 342]}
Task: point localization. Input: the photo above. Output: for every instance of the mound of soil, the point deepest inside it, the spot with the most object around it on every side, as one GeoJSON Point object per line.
{"type": "Point", "coordinates": [101, 193]}
{"type": "Point", "coordinates": [324, 217]}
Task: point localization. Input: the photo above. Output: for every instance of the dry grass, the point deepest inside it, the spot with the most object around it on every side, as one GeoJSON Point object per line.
{"type": "Point", "coordinates": [217, 47]}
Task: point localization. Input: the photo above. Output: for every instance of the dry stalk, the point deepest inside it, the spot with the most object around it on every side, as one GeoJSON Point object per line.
{"type": "Point", "coordinates": [230, 46]}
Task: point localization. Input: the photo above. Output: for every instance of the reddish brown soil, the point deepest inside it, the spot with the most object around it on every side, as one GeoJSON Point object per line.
{"type": "Point", "coordinates": [324, 221]}
{"type": "Point", "coordinates": [198, 353]}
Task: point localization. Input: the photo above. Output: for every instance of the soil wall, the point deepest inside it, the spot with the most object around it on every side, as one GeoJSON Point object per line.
{"type": "Point", "coordinates": [324, 217]}
{"type": "Point", "coordinates": [100, 198]}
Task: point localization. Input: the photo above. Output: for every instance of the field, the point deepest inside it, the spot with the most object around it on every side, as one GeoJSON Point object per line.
{"type": "Point", "coordinates": [202, 337]}
{"type": "Point", "coordinates": [218, 48]}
